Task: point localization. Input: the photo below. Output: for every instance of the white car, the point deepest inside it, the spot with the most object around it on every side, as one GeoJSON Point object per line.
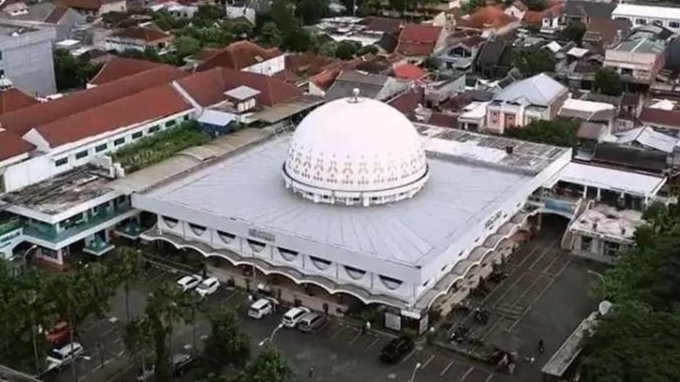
{"type": "Point", "coordinates": [260, 308]}
{"type": "Point", "coordinates": [293, 316]}
{"type": "Point", "coordinates": [60, 358]}
{"type": "Point", "coordinates": [189, 282]}
{"type": "Point", "coordinates": [207, 286]}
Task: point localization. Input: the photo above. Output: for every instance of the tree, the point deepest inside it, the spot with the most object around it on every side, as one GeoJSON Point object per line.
{"type": "Point", "coordinates": [71, 72]}
{"type": "Point", "coordinates": [536, 5]}
{"type": "Point", "coordinates": [328, 49]}
{"type": "Point", "coordinates": [283, 16]}
{"type": "Point", "coordinates": [268, 366]}
{"type": "Point", "coordinates": [186, 46]}
{"type": "Point", "coordinates": [138, 338]}
{"type": "Point", "coordinates": [574, 31]}
{"type": "Point", "coordinates": [558, 133]}
{"type": "Point", "coordinates": [608, 82]}
{"type": "Point", "coordinates": [129, 266]}
{"type": "Point", "coordinates": [270, 35]}
{"type": "Point", "coordinates": [227, 344]}
{"type": "Point", "coordinates": [345, 50]}
{"type": "Point", "coordinates": [210, 12]}
{"type": "Point", "coordinates": [431, 64]}
{"type": "Point", "coordinates": [368, 49]}
{"type": "Point", "coordinates": [311, 11]}
{"type": "Point", "coordinates": [533, 60]}
{"type": "Point", "coordinates": [297, 40]}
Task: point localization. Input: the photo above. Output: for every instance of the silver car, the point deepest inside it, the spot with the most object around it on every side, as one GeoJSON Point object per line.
{"type": "Point", "coordinates": [311, 322]}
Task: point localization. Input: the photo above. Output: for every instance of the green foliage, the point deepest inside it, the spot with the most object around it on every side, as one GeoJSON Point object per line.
{"type": "Point", "coordinates": [268, 366]}
{"type": "Point", "coordinates": [162, 145]}
{"type": "Point", "coordinates": [186, 46]}
{"type": "Point", "coordinates": [536, 5]}
{"type": "Point", "coordinates": [574, 31]}
{"type": "Point", "coordinates": [282, 14]}
{"type": "Point", "coordinates": [270, 35]}
{"type": "Point", "coordinates": [472, 5]}
{"type": "Point", "coordinates": [608, 82]}
{"type": "Point", "coordinates": [345, 50]}
{"type": "Point", "coordinates": [368, 49]}
{"type": "Point", "coordinates": [227, 344]}
{"type": "Point", "coordinates": [328, 49]}
{"type": "Point", "coordinates": [431, 64]}
{"type": "Point", "coordinates": [71, 72]}
{"type": "Point", "coordinates": [556, 132]}
{"type": "Point", "coordinates": [210, 12]}
{"type": "Point", "coordinates": [311, 11]}
{"type": "Point", "coordinates": [533, 60]}
{"type": "Point", "coordinates": [298, 40]}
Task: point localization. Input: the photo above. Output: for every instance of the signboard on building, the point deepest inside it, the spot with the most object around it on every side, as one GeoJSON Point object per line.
{"type": "Point", "coordinates": [392, 321]}
{"type": "Point", "coordinates": [262, 235]}
{"type": "Point", "coordinates": [423, 324]}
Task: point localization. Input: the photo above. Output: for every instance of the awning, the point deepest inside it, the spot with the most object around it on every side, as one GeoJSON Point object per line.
{"type": "Point", "coordinates": [130, 230]}
{"type": "Point", "coordinates": [98, 247]}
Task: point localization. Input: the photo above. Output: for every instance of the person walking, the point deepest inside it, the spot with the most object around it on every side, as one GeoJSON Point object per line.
{"type": "Point", "coordinates": [311, 372]}
{"type": "Point", "coordinates": [541, 348]}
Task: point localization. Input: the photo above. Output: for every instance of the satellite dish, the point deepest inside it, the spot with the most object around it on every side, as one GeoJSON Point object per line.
{"type": "Point", "coordinates": [604, 307]}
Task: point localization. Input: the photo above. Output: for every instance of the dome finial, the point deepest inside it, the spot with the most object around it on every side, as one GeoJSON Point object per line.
{"type": "Point", "coordinates": [355, 95]}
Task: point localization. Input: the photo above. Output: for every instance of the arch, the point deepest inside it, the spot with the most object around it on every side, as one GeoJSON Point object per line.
{"type": "Point", "coordinates": [266, 271]}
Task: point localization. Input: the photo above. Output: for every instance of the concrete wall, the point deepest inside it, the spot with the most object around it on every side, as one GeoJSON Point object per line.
{"type": "Point", "coordinates": [27, 61]}
{"type": "Point", "coordinates": [268, 67]}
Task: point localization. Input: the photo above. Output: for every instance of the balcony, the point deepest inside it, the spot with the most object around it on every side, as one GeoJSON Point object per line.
{"type": "Point", "coordinates": [49, 233]}
{"type": "Point", "coordinates": [563, 205]}
{"type": "Point", "coordinates": [9, 225]}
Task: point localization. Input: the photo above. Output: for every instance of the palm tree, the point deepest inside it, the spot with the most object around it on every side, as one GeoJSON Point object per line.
{"type": "Point", "coordinates": [138, 338]}
{"type": "Point", "coordinates": [130, 264]}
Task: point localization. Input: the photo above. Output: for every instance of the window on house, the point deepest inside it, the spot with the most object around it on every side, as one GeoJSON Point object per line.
{"type": "Point", "coordinates": [2, 73]}
{"type": "Point", "coordinates": [586, 243]}
{"type": "Point", "coordinates": [137, 135]}
{"type": "Point", "coordinates": [674, 24]}
{"type": "Point", "coordinates": [186, 117]}
{"type": "Point", "coordinates": [101, 148]}
{"type": "Point", "coordinates": [81, 154]}
{"type": "Point", "coordinates": [170, 123]}
{"type": "Point", "coordinates": [640, 21]}
{"type": "Point", "coordinates": [119, 141]}
{"type": "Point", "coordinates": [610, 248]}
{"type": "Point", "coordinates": [61, 162]}
{"type": "Point", "coordinates": [153, 129]}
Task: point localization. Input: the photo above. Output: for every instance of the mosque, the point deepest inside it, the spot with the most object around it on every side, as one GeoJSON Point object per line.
{"type": "Point", "coordinates": [360, 201]}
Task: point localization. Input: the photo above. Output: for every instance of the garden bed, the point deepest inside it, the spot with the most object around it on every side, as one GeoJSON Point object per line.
{"type": "Point", "coordinates": [160, 146]}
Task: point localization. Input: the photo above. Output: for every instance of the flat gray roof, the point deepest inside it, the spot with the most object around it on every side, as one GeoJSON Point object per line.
{"type": "Point", "coordinates": [248, 188]}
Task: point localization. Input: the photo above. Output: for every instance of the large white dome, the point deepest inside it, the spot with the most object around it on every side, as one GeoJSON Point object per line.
{"type": "Point", "coordinates": [355, 151]}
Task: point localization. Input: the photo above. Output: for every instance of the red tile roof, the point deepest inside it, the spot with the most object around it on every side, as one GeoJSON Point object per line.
{"type": "Point", "coordinates": [418, 40]}
{"type": "Point", "coordinates": [408, 101]}
{"type": "Point", "coordinates": [120, 67]}
{"type": "Point", "coordinates": [57, 13]}
{"type": "Point", "coordinates": [239, 55]}
{"type": "Point", "coordinates": [158, 102]}
{"type": "Point", "coordinates": [14, 99]}
{"type": "Point", "coordinates": [408, 71]}
{"type": "Point", "coordinates": [486, 17]}
{"type": "Point", "coordinates": [659, 117]}
{"type": "Point", "coordinates": [12, 145]}
{"type": "Point", "coordinates": [143, 33]}
{"type": "Point", "coordinates": [208, 87]}
{"type": "Point", "coordinates": [22, 120]}
{"type": "Point", "coordinates": [443, 120]}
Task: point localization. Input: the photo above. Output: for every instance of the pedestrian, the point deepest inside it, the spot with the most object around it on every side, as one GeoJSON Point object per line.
{"type": "Point", "coordinates": [363, 328]}
{"type": "Point", "coordinates": [311, 372]}
{"type": "Point", "coordinates": [368, 325]}
{"type": "Point", "coordinates": [541, 348]}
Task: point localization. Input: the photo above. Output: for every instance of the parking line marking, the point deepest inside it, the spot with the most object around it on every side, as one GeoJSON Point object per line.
{"type": "Point", "coordinates": [342, 329]}
{"type": "Point", "coordinates": [375, 341]}
{"type": "Point", "coordinates": [446, 368]}
{"type": "Point", "coordinates": [488, 378]}
{"type": "Point", "coordinates": [428, 361]}
{"type": "Point", "coordinates": [409, 355]}
{"type": "Point", "coordinates": [120, 353]}
{"type": "Point", "coordinates": [355, 338]}
{"type": "Point", "coordinates": [467, 373]}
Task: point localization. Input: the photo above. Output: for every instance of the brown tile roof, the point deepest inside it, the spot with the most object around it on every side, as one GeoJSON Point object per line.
{"type": "Point", "coordinates": [658, 117]}
{"type": "Point", "coordinates": [14, 99]}
{"type": "Point", "coordinates": [204, 54]}
{"type": "Point", "coordinates": [443, 120]}
{"type": "Point", "coordinates": [158, 102]}
{"type": "Point", "coordinates": [57, 13]}
{"type": "Point", "coordinates": [239, 55]}
{"type": "Point", "coordinates": [536, 17]}
{"type": "Point", "coordinates": [143, 33]}
{"type": "Point", "coordinates": [408, 101]}
{"type": "Point", "coordinates": [486, 17]}
{"type": "Point", "coordinates": [120, 67]}
{"type": "Point", "coordinates": [418, 40]}
{"type": "Point", "coordinates": [408, 71]}
{"type": "Point", "coordinates": [208, 87]}
{"type": "Point", "coordinates": [22, 120]}
{"type": "Point", "coordinates": [12, 145]}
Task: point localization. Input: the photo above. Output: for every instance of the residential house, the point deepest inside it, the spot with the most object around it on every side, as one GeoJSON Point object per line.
{"type": "Point", "coordinates": [63, 19]}
{"type": "Point", "coordinates": [517, 10]}
{"type": "Point", "coordinates": [638, 58]}
{"type": "Point", "coordinates": [666, 121]}
{"type": "Point", "coordinates": [300, 67]}
{"type": "Point", "coordinates": [246, 56]}
{"type": "Point", "coordinates": [488, 21]}
{"type": "Point", "coordinates": [549, 20]}
{"type": "Point", "coordinates": [374, 86]}
{"type": "Point", "coordinates": [139, 38]}
{"type": "Point", "coordinates": [355, 29]}
{"type": "Point", "coordinates": [595, 119]}
{"type": "Point", "coordinates": [585, 11]}
{"type": "Point", "coordinates": [535, 98]}
{"type": "Point", "coordinates": [418, 41]}
{"type": "Point", "coordinates": [494, 59]}
{"type": "Point", "coordinates": [461, 53]}
{"type": "Point", "coordinates": [175, 9]}
{"type": "Point", "coordinates": [603, 33]}
{"type": "Point", "coordinates": [95, 7]}
{"type": "Point", "coordinates": [639, 14]}
{"type": "Point", "coordinates": [247, 9]}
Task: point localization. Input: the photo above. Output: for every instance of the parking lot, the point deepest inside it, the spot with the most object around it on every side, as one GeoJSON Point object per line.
{"type": "Point", "coordinates": [544, 296]}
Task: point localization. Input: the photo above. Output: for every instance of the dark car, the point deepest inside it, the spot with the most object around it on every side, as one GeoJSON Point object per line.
{"type": "Point", "coordinates": [396, 349]}
{"type": "Point", "coordinates": [180, 363]}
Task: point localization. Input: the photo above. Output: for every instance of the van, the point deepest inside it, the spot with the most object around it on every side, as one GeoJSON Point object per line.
{"type": "Point", "coordinates": [59, 358]}
{"type": "Point", "coordinates": [293, 316]}
{"type": "Point", "coordinates": [260, 308]}
{"type": "Point", "coordinates": [311, 322]}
